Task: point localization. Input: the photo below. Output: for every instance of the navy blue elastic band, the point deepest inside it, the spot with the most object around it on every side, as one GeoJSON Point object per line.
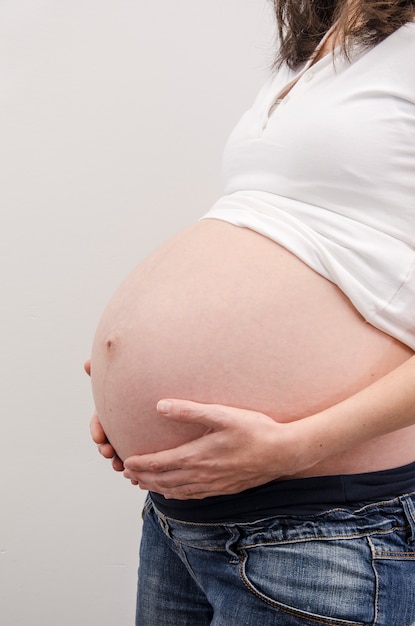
{"type": "Point", "coordinates": [293, 497]}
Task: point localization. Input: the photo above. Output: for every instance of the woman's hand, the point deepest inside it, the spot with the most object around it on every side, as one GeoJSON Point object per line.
{"type": "Point", "coordinates": [104, 446]}
{"type": "Point", "coordinates": [241, 449]}
{"type": "Point", "coordinates": [99, 437]}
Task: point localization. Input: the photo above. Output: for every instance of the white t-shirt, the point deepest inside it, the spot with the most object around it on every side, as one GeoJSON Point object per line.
{"type": "Point", "coordinates": [329, 174]}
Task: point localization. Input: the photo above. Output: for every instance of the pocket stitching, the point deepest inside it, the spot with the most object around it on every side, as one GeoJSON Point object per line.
{"type": "Point", "coordinates": [286, 609]}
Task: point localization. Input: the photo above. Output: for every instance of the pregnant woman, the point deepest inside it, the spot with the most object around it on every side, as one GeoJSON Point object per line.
{"type": "Point", "coordinates": [256, 373]}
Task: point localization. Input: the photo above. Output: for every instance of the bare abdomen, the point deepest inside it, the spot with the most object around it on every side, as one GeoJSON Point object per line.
{"type": "Point", "coordinates": [221, 314]}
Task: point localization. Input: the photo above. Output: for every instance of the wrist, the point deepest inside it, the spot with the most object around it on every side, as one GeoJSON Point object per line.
{"type": "Point", "coordinates": [310, 441]}
{"type": "Point", "coordinates": [292, 448]}
{"type": "Point", "coordinates": [328, 433]}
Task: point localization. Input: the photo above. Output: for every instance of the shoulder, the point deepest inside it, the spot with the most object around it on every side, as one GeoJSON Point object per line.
{"type": "Point", "coordinates": [402, 39]}
{"type": "Point", "coordinates": [394, 57]}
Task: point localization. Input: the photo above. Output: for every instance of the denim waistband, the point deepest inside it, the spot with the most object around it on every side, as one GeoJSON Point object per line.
{"type": "Point", "coordinates": [293, 497]}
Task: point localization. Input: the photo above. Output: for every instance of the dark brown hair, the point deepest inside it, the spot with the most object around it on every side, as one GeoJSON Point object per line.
{"type": "Point", "coordinates": [302, 24]}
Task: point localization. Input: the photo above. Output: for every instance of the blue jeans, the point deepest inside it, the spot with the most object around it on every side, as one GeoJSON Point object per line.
{"type": "Point", "coordinates": [343, 566]}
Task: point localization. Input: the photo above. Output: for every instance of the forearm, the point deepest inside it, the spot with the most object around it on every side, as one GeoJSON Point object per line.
{"type": "Point", "coordinates": [381, 408]}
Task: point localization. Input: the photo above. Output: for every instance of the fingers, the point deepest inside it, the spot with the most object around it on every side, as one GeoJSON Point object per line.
{"type": "Point", "coordinates": [236, 452]}
{"type": "Point", "coordinates": [175, 485]}
{"type": "Point", "coordinates": [186, 411]}
{"type": "Point", "coordinates": [186, 485]}
{"type": "Point", "coordinates": [153, 463]}
{"type": "Point", "coordinates": [182, 457]}
{"type": "Point", "coordinates": [176, 471]}
{"type": "Point", "coordinates": [99, 437]}
{"type": "Point", "coordinates": [96, 430]}
{"type": "Point", "coordinates": [117, 464]}
{"type": "Point", "coordinates": [105, 448]}
{"type": "Point", "coordinates": [193, 454]}
{"type": "Point", "coordinates": [107, 451]}
{"type": "Point", "coordinates": [161, 482]}
{"type": "Point", "coordinates": [213, 416]}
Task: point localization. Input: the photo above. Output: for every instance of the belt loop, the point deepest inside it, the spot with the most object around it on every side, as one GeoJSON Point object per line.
{"type": "Point", "coordinates": [162, 520]}
{"type": "Point", "coordinates": [409, 510]}
{"type": "Point", "coordinates": [232, 543]}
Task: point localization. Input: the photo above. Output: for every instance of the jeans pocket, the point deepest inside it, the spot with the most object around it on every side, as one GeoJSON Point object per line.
{"type": "Point", "coordinates": [394, 564]}
{"type": "Point", "coordinates": [326, 581]}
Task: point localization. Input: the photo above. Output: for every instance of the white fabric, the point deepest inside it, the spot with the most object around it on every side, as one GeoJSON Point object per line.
{"type": "Point", "coordinates": [330, 174]}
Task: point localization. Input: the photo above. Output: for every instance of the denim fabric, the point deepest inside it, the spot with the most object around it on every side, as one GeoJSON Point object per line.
{"type": "Point", "coordinates": [343, 566]}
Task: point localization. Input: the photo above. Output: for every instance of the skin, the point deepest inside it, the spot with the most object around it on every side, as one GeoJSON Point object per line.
{"type": "Point", "coordinates": [209, 467]}
{"type": "Point", "coordinates": [99, 437]}
{"type": "Point", "coordinates": [244, 448]}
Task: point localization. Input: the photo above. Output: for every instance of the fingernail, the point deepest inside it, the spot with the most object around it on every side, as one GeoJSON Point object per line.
{"type": "Point", "coordinates": [164, 406]}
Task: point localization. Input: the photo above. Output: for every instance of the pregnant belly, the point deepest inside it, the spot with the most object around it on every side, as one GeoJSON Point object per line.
{"type": "Point", "coordinates": [220, 314]}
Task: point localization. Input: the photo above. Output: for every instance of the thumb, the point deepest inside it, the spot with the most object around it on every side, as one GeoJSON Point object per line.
{"type": "Point", "coordinates": [212, 415]}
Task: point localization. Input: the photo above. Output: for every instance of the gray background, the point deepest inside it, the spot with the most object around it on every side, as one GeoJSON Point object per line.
{"type": "Point", "coordinates": [113, 116]}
